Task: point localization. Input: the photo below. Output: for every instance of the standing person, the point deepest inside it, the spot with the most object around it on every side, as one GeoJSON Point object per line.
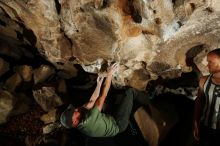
{"type": "Point", "coordinates": [89, 118]}
{"type": "Point", "coordinates": [207, 105]}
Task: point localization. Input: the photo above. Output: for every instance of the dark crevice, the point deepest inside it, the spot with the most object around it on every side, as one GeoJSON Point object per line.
{"type": "Point", "coordinates": [61, 30]}
{"type": "Point", "coordinates": [174, 2]}
{"type": "Point", "coordinates": [15, 54]}
{"type": "Point", "coordinates": [60, 63]}
{"type": "Point", "coordinates": [206, 50]}
{"type": "Point", "coordinates": [158, 21]}
{"type": "Point", "coordinates": [29, 35]}
{"type": "Point", "coordinates": [193, 52]}
{"type": "Point", "coordinates": [177, 3]}
{"type": "Point", "coordinates": [193, 6]}
{"type": "Point", "coordinates": [72, 58]}
{"type": "Point", "coordinates": [19, 36]}
{"type": "Point", "coordinates": [209, 9]}
{"type": "Point", "coordinates": [180, 23]}
{"type": "Point", "coordinates": [70, 41]}
{"type": "Point", "coordinates": [106, 3]}
{"type": "Point", "coordinates": [58, 6]}
{"type": "Point", "coordinates": [4, 13]}
{"type": "Point", "coordinates": [2, 23]}
{"type": "Point", "coordinates": [81, 9]}
{"type": "Point", "coordinates": [186, 80]}
{"type": "Point", "coordinates": [136, 16]}
{"type": "Point", "coordinates": [34, 62]}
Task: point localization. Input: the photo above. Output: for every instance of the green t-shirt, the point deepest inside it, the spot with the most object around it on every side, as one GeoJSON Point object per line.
{"type": "Point", "coordinates": [97, 124]}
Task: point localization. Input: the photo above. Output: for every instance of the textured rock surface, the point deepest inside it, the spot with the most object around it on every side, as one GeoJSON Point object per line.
{"type": "Point", "coordinates": [42, 73]}
{"type": "Point", "coordinates": [7, 102]}
{"type": "Point", "coordinates": [4, 66]}
{"type": "Point", "coordinates": [25, 72]}
{"type": "Point", "coordinates": [11, 105]}
{"type": "Point", "coordinates": [50, 117]}
{"type": "Point", "coordinates": [13, 82]}
{"type": "Point", "coordinates": [156, 123]}
{"type": "Point", "coordinates": [148, 38]}
{"type": "Point", "coordinates": [47, 98]}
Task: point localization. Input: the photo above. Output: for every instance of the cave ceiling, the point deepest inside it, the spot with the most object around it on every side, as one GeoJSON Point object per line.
{"type": "Point", "coordinates": [148, 38]}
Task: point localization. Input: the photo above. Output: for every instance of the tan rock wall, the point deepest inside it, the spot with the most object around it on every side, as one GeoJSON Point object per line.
{"type": "Point", "coordinates": [149, 38]}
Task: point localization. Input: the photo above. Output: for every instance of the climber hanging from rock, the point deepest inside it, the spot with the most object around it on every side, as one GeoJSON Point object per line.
{"type": "Point", "coordinates": [89, 118]}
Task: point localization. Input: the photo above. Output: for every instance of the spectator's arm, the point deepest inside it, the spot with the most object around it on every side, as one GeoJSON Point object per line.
{"type": "Point", "coordinates": [198, 109]}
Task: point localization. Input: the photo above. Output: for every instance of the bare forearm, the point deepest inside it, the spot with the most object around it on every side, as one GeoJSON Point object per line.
{"type": "Point", "coordinates": [107, 84]}
{"type": "Point", "coordinates": [106, 87]}
{"type": "Point", "coordinates": [95, 94]}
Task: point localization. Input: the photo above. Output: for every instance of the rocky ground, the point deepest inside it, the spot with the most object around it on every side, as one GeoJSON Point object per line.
{"type": "Point", "coordinates": [18, 128]}
{"type": "Point", "coordinates": [27, 129]}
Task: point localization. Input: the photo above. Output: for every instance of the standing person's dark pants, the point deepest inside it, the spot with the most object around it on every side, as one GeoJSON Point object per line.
{"type": "Point", "coordinates": [209, 137]}
{"type": "Point", "coordinates": [125, 105]}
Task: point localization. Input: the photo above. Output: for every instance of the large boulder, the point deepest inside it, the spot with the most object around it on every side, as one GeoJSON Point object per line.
{"type": "Point", "coordinates": [7, 102]}
{"type": "Point", "coordinates": [155, 123]}
{"type": "Point", "coordinates": [147, 38]}
{"type": "Point", "coordinates": [47, 97]}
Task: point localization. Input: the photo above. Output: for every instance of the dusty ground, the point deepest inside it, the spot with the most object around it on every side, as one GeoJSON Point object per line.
{"type": "Point", "coordinates": [19, 127]}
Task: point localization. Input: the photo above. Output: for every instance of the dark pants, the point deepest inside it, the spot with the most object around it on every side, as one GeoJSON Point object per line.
{"type": "Point", "coordinates": [209, 137]}
{"type": "Point", "coordinates": [125, 104]}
